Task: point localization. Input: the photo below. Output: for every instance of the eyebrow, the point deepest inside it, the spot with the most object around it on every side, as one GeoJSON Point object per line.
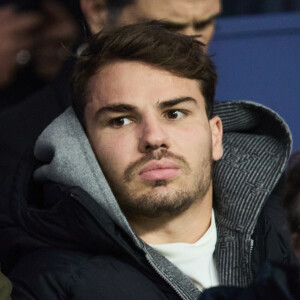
{"type": "Point", "coordinates": [173, 26]}
{"type": "Point", "coordinates": [116, 108]}
{"type": "Point", "coordinates": [202, 24]}
{"type": "Point", "coordinates": [173, 102]}
{"type": "Point", "coordinates": [121, 108]}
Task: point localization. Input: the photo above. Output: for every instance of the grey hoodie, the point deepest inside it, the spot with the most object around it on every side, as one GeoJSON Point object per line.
{"type": "Point", "coordinates": [257, 144]}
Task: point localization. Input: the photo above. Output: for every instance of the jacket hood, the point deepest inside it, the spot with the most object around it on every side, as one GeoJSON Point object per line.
{"type": "Point", "coordinates": [257, 144]}
{"type": "Point", "coordinates": [68, 159]}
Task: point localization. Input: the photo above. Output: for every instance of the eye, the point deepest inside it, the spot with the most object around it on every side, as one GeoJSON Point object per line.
{"type": "Point", "coordinates": [203, 25]}
{"type": "Point", "coordinates": [120, 122]}
{"type": "Point", "coordinates": [175, 27]}
{"type": "Point", "coordinates": [174, 114]}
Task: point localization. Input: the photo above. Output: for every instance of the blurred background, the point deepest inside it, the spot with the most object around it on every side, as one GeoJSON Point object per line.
{"type": "Point", "coordinates": [256, 49]}
{"type": "Point", "coordinates": [35, 36]}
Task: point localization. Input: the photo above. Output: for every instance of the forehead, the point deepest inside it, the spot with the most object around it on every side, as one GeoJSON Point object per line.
{"type": "Point", "coordinates": [177, 10]}
{"type": "Point", "coordinates": [139, 84]}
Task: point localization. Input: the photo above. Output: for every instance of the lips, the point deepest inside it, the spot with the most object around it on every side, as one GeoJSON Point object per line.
{"type": "Point", "coordinates": [159, 170]}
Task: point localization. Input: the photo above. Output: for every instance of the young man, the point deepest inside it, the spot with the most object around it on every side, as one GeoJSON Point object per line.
{"type": "Point", "coordinates": [136, 195]}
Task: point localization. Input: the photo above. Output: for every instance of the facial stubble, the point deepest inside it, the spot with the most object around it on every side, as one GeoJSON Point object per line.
{"type": "Point", "coordinates": [156, 202]}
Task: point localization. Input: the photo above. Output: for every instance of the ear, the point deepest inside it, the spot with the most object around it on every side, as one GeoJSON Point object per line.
{"type": "Point", "coordinates": [216, 128]}
{"type": "Point", "coordinates": [95, 13]}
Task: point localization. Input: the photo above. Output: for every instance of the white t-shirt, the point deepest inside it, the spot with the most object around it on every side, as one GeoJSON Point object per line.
{"type": "Point", "coordinates": [195, 260]}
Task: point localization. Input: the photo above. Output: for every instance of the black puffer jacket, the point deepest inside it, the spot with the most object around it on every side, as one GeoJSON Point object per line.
{"type": "Point", "coordinates": [74, 250]}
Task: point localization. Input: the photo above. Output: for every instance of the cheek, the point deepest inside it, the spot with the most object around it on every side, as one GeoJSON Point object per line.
{"type": "Point", "coordinates": [210, 31]}
{"type": "Point", "coordinates": [114, 154]}
{"type": "Point", "coordinates": [207, 34]}
{"type": "Point", "coordinates": [192, 140]}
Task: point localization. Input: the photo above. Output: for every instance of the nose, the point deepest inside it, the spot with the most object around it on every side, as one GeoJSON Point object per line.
{"type": "Point", "coordinates": [190, 30]}
{"type": "Point", "coordinates": [200, 35]}
{"type": "Point", "coordinates": [153, 135]}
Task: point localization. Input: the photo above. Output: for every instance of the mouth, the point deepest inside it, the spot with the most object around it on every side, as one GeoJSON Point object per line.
{"type": "Point", "coordinates": [159, 170]}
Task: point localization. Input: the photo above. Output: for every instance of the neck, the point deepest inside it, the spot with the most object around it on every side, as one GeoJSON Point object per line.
{"type": "Point", "coordinates": [188, 227]}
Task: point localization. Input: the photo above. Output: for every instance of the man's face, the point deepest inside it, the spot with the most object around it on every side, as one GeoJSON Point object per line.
{"type": "Point", "coordinates": [152, 138]}
{"type": "Point", "coordinates": [190, 17]}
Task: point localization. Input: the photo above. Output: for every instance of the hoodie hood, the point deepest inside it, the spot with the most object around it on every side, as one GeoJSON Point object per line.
{"type": "Point", "coordinates": [257, 144]}
{"type": "Point", "coordinates": [68, 159]}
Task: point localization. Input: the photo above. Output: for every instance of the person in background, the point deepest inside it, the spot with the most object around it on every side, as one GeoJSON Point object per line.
{"type": "Point", "coordinates": [16, 30]}
{"type": "Point", "coordinates": [35, 36]}
{"type": "Point", "coordinates": [195, 18]}
{"type": "Point", "coordinates": [292, 199]}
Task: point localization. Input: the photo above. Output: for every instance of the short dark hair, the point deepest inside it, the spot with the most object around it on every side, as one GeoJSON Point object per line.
{"type": "Point", "coordinates": [151, 44]}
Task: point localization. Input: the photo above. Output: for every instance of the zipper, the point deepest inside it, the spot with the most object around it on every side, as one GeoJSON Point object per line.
{"type": "Point", "coordinates": [148, 256]}
{"type": "Point", "coordinates": [156, 269]}
{"type": "Point", "coordinates": [250, 253]}
{"type": "Point", "coordinates": [251, 248]}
